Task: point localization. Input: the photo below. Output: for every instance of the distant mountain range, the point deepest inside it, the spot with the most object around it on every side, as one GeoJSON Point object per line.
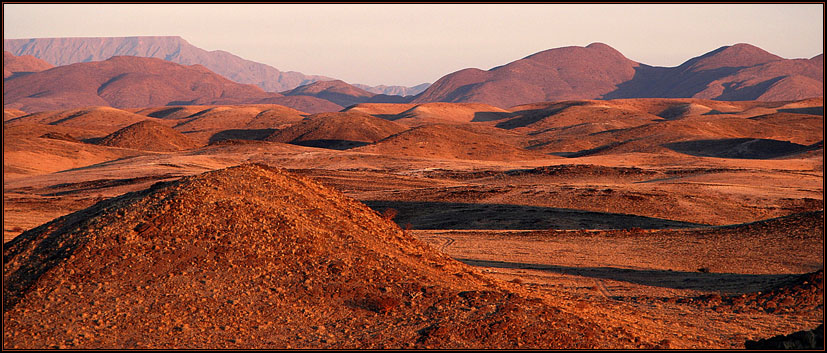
{"type": "Point", "coordinates": [65, 51]}
{"type": "Point", "coordinates": [395, 90]}
{"type": "Point", "coordinates": [130, 82]}
{"type": "Point", "coordinates": [597, 71]}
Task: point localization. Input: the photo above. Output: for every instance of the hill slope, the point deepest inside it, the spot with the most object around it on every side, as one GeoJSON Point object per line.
{"type": "Point", "coordinates": [148, 135]}
{"type": "Point", "coordinates": [336, 91]}
{"type": "Point", "coordinates": [441, 141]}
{"type": "Point", "coordinates": [395, 90]}
{"type": "Point", "coordinates": [104, 119]}
{"type": "Point", "coordinates": [343, 130]}
{"type": "Point", "coordinates": [22, 64]}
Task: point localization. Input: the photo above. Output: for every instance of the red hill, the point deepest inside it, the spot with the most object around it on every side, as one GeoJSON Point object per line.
{"type": "Point", "coordinates": [337, 130]}
{"type": "Point", "coordinates": [336, 91]}
{"type": "Point", "coordinates": [148, 135]}
{"type": "Point", "coordinates": [437, 141]}
{"type": "Point", "coordinates": [22, 64]}
{"type": "Point", "coordinates": [104, 119]}
{"type": "Point", "coordinates": [734, 56]}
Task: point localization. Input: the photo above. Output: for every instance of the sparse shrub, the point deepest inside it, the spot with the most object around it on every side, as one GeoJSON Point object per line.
{"type": "Point", "coordinates": [389, 214]}
{"type": "Point", "coordinates": [381, 304]}
{"type": "Point", "coordinates": [635, 230]}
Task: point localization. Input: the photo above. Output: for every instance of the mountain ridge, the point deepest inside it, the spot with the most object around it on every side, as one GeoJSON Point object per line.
{"type": "Point", "coordinates": [598, 71]}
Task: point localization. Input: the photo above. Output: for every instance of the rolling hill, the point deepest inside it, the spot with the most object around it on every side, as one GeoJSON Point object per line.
{"type": "Point", "coordinates": [148, 135]}
{"type": "Point", "coordinates": [21, 65]}
{"type": "Point", "coordinates": [336, 91]}
{"type": "Point", "coordinates": [343, 130]}
{"type": "Point", "coordinates": [440, 141]}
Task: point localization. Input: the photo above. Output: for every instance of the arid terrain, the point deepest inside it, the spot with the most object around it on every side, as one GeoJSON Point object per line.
{"type": "Point", "coordinates": [652, 223]}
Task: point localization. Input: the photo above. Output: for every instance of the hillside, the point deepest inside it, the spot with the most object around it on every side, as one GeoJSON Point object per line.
{"type": "Point", "coordinates": [103, 119]}
{"type": "Point", "coordinates": [449, 113]}
{"type": "Point", "coordinates": [336, 91]}
{"type": "Point", "coordinates": [148, 135]}
{"type": "Point", "coordinates": [402, 91]}
{"type": "Point", "coordinates": [740, 72]}
{"type": "Point", "coordinates": [35, 149]}
{"type": "Point", "coordinates": [21, 65]}
{"type": "Point", "coordinates": [439, 141]}
{"type": "Point", "coordinates": [343, 130]}
{"type": "Point", "coordinates": [255, 122]}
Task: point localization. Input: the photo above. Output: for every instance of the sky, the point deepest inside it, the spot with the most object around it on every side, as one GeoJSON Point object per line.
{"type": "Point", "coordinates": [409, 44]}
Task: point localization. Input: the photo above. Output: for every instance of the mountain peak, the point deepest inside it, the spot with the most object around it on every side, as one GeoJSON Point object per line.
{"type": "Point", "coordinates": [336, 91]}
{"type": "Point", "coordinates": [599, 45]}
{"type": "Point", "coordinates": [733, 56]}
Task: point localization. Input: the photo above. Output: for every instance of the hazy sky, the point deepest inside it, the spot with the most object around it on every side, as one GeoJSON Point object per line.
{"type": "Point", "coordinates": [408, 44]}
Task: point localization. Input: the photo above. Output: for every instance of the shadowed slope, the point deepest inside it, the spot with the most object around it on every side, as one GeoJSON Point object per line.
{"type": "Point", "coordinates": [9, 114]}
{"type": "Point", "coordinates": [337, 130]}
{"type": "Point", "coordinates": [336, 91]}
{"type": "Point", "coordinates": [449, 142]}
{"type": "Point", "coordinates": [33, 149]}
{"type": "Point", "coordinates": [449, 113]}
{"type": "Point", "coordinates": [21, 65]}
{"type": "Point", "coordinates": [740, 72]}
{"type": "Point", "coordinates": [380, 110]}
{"type": "Point", "coordinates": [105, 119]}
